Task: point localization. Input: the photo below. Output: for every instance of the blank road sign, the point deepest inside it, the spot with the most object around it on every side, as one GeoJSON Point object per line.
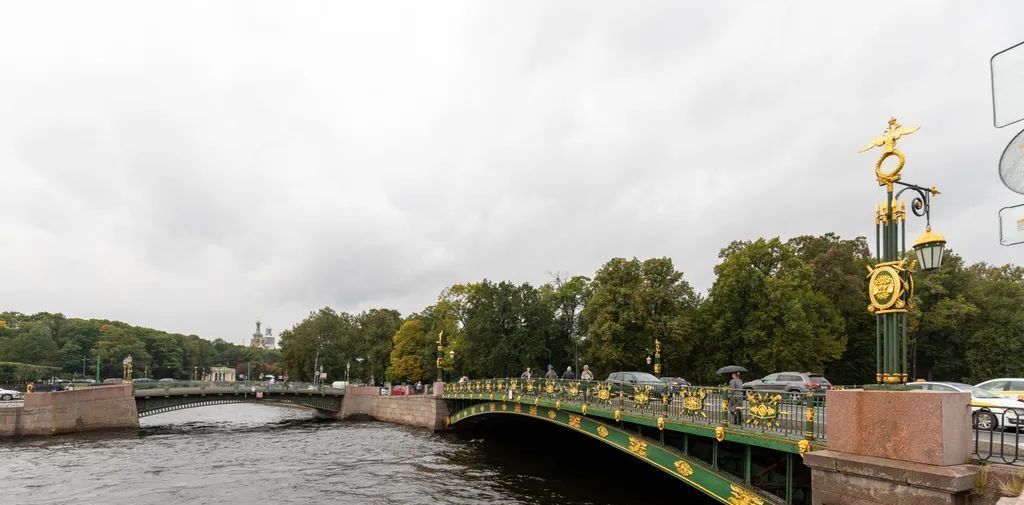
{"type": "Point", "coordinates": [1011, 225]}
{"type": "Point", "coordinates": [1008, 85]}
{"type": "Point", "coordinates": [1011, 164]}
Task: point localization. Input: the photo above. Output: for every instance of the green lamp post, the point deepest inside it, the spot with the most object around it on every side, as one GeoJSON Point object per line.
{"type": "Point", "coordinates": [890, 281]}
{"type": "Point", "coordinates": [440, 359]}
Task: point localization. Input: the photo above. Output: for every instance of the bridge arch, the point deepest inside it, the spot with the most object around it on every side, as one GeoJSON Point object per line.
{"type": "Point", "coordinates": [689, 470]}
{"type": "Point", "coordinates": [153, 405]}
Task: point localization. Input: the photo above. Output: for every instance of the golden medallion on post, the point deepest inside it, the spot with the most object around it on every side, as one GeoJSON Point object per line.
{"type": "Point", "coordinates": [618, 415]}
{"type": "Point", "coordinates": [890, 287]}
{"type": "Point", "coordinates": [719, 433]}
{"type": "Point", "coordinates": [661, 423]}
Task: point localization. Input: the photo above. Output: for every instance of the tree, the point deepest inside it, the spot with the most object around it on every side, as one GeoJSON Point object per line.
{"type": "Point", "coordinates": [508, 328]}
{"type": "Point", "coordinates": [839, 268]}
{"type": "Point", "coordinates": [412, 356]}
{"type": "Point", "coordinates": [567, 297]}
{"type": "Point", "coordinates": [632, 304]}
{"type": "Point", "coordinates": [376, 329]}
{"type": "Point", "coordinates": [116, 344]}
{"type": "Point", "coordinates": [763, 313]}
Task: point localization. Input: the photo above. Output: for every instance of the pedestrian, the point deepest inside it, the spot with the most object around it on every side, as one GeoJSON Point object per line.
{"type": "Point", "coordinates": [568, 375]}
{"type": "Point", "coordinates": [736, 398]}
{"type": "Point", "coordinates": [586, 374]}
{"type": "Point", "coordinates": [552, 374]}
{"type": "Point", "coordinates": [528, 374]}
{"type": "Point", "coordinates": [465, 379]}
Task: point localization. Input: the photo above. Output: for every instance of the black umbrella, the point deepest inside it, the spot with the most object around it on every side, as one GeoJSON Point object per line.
{"type": "Point", "coordinates": [731, 369]}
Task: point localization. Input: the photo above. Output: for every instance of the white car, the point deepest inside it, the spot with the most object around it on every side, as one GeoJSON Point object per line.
{"type": "Point", "coordinates": [990, 410]}
{"type": "Point", "coordinates": [1013, 388]}
{"type": "Point", "coordinates": [10, 394]}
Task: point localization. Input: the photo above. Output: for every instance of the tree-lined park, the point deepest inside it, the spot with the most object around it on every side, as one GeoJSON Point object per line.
{"type": "Point", "coordinates": [775, 305]}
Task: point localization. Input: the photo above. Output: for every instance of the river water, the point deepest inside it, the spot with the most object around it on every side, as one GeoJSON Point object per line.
{"type": "Point", "coordinates": [250, 454]}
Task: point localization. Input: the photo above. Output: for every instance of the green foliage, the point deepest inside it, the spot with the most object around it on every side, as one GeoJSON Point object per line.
{"type": "Point", "coordinates": [53, 339]}
{"type": "Point", "coordinates": [414, 353]}
{"type": "Point", "coordinates": [763, 313]}
{"type": "Point", "coordinates": [798, 305]}
{"type": "Point", "coordinates": [24, 372]}
{"type": "Point", "coordinates": [631, 304]}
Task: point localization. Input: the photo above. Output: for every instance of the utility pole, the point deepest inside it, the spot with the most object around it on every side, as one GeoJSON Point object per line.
{"type": "Point", "coordinates": [83, 366]}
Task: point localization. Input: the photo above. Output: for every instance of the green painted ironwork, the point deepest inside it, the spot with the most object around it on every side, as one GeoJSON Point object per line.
{"type": "Point", "coordinates": [692, 471]}
{"type": "Point", "coordinates": [789, 422]}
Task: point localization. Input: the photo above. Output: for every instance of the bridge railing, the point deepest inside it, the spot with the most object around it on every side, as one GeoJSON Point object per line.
{"type": "Point", "coordinates": [793, 415]}
{"type": "Point", "coordinates": [997, 435]}
{"type": "Point", "coordinates": [235, 385]}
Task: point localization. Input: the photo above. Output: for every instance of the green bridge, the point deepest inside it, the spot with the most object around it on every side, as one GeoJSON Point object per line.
{"type": "Point", "coordinates": [685, 432]}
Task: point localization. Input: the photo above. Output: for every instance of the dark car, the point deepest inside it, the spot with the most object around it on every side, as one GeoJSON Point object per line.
{"type": "Point", "coordinates": [790, 382]}
{"type": "Point", "coordinates": [627, 380]}
{"type": "Point", "coordinates": [676, 382]}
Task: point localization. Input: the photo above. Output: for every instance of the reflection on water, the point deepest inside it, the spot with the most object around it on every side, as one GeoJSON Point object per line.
{"type": "Point", "coordinates": [256, 454]}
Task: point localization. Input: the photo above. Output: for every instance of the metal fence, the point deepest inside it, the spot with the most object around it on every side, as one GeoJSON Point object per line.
{"type": "Point", "coordinates": [793, 415]}
{"type": "Point", "coordinates": [997, 437]}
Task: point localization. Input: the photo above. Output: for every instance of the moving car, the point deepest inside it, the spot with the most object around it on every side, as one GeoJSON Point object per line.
{"type": "Point", "coordinates": [989, 410]}
{"type": "Point", "coordinates": [675, 381]}
{"type": "Point", "coordinates": [10, 394]}
{"type": "Point", "coordinates": [1012, 388]}
{"type": "Point", "coordinates": [627, 380]}
{"type": "Point", "coordinates": [790, 382]}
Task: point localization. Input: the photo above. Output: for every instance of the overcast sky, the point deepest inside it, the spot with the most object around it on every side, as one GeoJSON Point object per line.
{"type": "Point", "coordinates": [193, 167]}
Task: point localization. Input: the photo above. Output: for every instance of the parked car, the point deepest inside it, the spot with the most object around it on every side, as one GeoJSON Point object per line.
{"type": "Point", "coordinates": [1012, 388]}
{"type": "Point", "coordinates": [10, 394]}
{"type": "Point", "coordinates": [988, 409]}
{"type": "Point", "coordinates": [168, 379]}
{"type": "Point", "coordinates": [113, 380]}
{"type": "Point", "coordinates": [790, 382]}
{"type": "Point", "coordinates": [143, 380]}
{"type": "Point", "coordinates": [627, 380]}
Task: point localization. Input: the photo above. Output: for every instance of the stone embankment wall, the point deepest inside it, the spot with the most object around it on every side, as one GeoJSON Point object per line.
{"type": "Point", "coordinates": [95, 408]}
{"type": "Point", "coordinates": [426, 411]}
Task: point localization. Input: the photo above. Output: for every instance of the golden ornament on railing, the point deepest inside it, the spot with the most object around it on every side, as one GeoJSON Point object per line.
{"type": "Point", "coordinates": [602, 391]}
{"type": "Point", "coordinates": [641, 396]}
{"type": "Point", "coordinates": [549, 386]}
{"type": "Point", "coordinates": [763, 409]}
{"type": "Point", "coordinates": [573, 390]}
{"type": "Point", "coordinates": [693, 402]}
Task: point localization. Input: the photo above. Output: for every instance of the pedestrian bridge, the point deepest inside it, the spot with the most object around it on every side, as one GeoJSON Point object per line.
{"type": "Point", "coordinates": [685, 432]}
{"type": "Point", "coordinates": [157, 398]}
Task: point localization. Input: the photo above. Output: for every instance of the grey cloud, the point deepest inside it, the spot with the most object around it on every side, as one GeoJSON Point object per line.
{"type": "Point", "coordinates": [196, 166]}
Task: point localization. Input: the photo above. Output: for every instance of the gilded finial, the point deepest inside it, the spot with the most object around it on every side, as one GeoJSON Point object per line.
{"type": "Point", "coordinates": [887, 142]}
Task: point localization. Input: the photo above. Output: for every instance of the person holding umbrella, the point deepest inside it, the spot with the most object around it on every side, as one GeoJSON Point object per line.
{"type": "Point", "coordinates": [735, 392]}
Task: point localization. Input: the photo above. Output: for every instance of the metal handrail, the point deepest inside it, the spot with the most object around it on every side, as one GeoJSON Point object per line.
{"type": "Point", "coordinates": [793, 415]}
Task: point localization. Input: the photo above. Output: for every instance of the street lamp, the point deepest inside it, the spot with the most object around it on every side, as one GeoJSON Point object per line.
{"type": "Point", "coordinates": [440, 352]}
{"type": "Point", "coordinates": [348, 370]}
{"type": "Point", "coordinates": [890, 281]}
{"type": "Point", "coordinates": [929, 248]}
{"type": "Point", "coordinates": [451, 358]}
{"type": "Point", "coordinates": [657, 357]}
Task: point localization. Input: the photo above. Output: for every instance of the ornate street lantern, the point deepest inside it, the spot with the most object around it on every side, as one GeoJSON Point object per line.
{"type": "Point", "coordinates": [929, 248]}
{"type": "Point", "coordinates": [890, 280]}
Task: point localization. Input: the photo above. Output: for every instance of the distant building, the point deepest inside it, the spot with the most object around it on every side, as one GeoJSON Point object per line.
{"type": "Point", "coordinates": [263, 341]}
{"type": "Point", "coordinates": [220, 374]}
